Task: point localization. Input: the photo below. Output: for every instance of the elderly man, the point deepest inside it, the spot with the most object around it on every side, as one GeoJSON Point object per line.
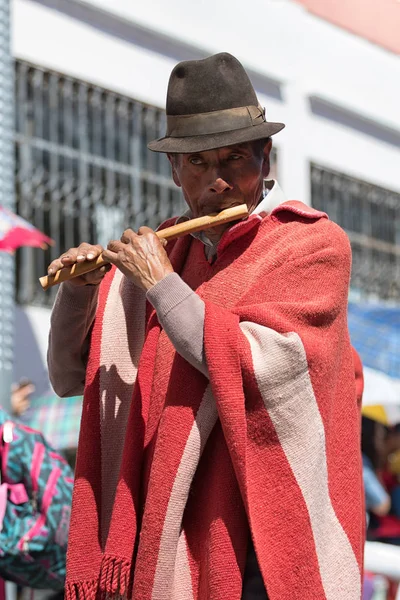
{"type": "Point", "coordinates": [219, 455]}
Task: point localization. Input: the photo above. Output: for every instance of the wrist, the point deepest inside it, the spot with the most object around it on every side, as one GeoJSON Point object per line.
{"type": "Point", "coordinates": [150, 283]}
{"type": "Point", "coordinates": [168, 293]}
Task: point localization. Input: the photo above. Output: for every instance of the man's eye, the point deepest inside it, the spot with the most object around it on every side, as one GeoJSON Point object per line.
{"type": "Point", "coordinates": [234, 156]}
{"type": "Point", "coordinates": [195, 160]}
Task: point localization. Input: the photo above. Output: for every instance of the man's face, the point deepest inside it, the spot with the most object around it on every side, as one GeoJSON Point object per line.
{"type": "Point", "coordinates": [218, 179]}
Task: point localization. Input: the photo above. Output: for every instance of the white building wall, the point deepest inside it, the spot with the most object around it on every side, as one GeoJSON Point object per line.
{"type": "Point", "coordinates": [277, 39]}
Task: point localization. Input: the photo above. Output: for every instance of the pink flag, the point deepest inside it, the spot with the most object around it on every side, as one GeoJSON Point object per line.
{"type": "Point", "coordinates": [16, 232]}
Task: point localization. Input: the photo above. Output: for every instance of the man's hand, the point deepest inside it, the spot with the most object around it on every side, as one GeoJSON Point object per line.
{"type": "Point", "coordinates": [20, 397]}
{"type": "Point", "coordinates": [141, 257]}
{"type": "Point", "coordinates": [78, 255]}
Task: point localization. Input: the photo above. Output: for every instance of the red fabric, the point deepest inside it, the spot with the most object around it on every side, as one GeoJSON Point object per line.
{"type": "Point", "coordinates": [389, 525]}
{"type": "Point", "coordinates": [289, 272]}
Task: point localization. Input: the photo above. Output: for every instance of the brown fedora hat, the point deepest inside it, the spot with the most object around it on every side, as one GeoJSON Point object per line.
{"type": "Point", "coordinates": [211, 103]}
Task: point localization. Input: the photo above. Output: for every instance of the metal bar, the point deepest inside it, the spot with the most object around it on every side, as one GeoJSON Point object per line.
{"type": "Point", "coordinates": [7, 199]}
{"type": "Point", "coordinates": [95, 160]}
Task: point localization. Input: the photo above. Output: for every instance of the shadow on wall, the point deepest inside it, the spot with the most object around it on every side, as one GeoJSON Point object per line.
{"type": "Point", "coordinates": [30, 347]}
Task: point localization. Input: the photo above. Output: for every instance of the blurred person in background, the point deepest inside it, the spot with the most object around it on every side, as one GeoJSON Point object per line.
{"type": "Point", "coordinates": [373, 435]}
{"type": "Point", "coordinates": [393, 449]}
{"type": "Point", "coordinates": [36, 493]}
{"type": "Point", "coordinates": [386, 528]}
{"type": "Point", "coordinates": [232, 469]}
{"type": "Point", "coordinates": [20, 396]}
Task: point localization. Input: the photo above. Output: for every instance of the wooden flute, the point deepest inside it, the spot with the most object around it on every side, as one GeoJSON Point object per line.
{"type": "Point", "coordinates": [169, 233]}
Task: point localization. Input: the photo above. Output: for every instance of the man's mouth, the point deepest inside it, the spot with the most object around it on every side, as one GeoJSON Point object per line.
{"type": "Point", "coordinates": [215, 209]}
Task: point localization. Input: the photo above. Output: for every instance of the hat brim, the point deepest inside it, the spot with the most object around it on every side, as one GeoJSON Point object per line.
{"type": "Point", "coordinates": [202, 143]}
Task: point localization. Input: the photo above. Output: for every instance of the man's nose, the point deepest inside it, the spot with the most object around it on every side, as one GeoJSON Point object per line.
{"type": "Point", "coordinates": [219, 186]}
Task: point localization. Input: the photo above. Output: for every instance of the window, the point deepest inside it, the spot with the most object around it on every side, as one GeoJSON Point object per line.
{"type": "Point", "coordinates": [370, 215]}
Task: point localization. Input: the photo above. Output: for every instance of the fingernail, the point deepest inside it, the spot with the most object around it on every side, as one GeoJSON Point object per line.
{"type": "Point", "coordinates": [90, 256]}
{"type": "Point", "coordinates": [50, 271]}
{"type": "Point", "coordinates": [80, 256]}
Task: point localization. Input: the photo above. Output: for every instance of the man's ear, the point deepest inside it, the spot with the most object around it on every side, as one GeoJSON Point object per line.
{"type": "Point", "coordinates": [266, 162]}
{"type": "Point", "coordinates": [173, 159]}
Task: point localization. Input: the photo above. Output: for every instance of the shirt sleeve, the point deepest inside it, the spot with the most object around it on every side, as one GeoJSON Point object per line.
{"type": "Point", "coordinates": [181, 313]}
{"type": "Point", "coordinates": [69, 339]}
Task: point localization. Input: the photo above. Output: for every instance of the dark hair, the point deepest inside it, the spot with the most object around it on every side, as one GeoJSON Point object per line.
{"type": "Point", "coordinates": [369, 429]}
{"type": "Point", "coordinates": [393, 431]}
{"type": "Point", "coordinates": [263, 142]}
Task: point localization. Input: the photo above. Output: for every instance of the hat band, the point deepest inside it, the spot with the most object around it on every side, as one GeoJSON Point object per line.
{"type": "Point", "coordinates": [218, 121]}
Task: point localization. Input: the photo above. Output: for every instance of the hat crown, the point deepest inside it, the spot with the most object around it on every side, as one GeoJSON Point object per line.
{"type": "Point", "coordinates": [218, 82]}
{"type": "Point", "coordinates": [211, 103]}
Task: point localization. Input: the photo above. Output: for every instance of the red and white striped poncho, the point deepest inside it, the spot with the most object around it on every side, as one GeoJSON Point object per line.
{"type": "Point", "coordinates": [271, 441]}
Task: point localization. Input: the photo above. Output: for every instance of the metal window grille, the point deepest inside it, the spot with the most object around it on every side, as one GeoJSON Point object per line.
{"type": "Point", "coordinates": [370, 215]}
{"type": "Point", "coordinates": [83, 171]}
{"type": "Point", "coordinates": [6, 199]}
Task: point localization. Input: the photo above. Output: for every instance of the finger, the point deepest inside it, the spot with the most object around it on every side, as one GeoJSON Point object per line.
{"type": "Point", "coordinates": [114, 246]}
{"type": "Point", "coordinates": [128, 236]}
{"type": "Point", "coordinates": [151, 234]}
{"type": "Point", "coordinates": [143, 230]}
{"type": "Point", "coordinates": [110, 256]}
{"type": "Point", "coordinates": [68, 258]}
{"type": "Point", "coordinates": [83, 252]}
{"type": "Point", "coordinates": [88, 252]}
{"type": "Point", "coordinates": [94, 277]}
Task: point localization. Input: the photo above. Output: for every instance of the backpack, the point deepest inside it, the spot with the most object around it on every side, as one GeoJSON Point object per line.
{"type": "Point", "coordinates": [35, 507]}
